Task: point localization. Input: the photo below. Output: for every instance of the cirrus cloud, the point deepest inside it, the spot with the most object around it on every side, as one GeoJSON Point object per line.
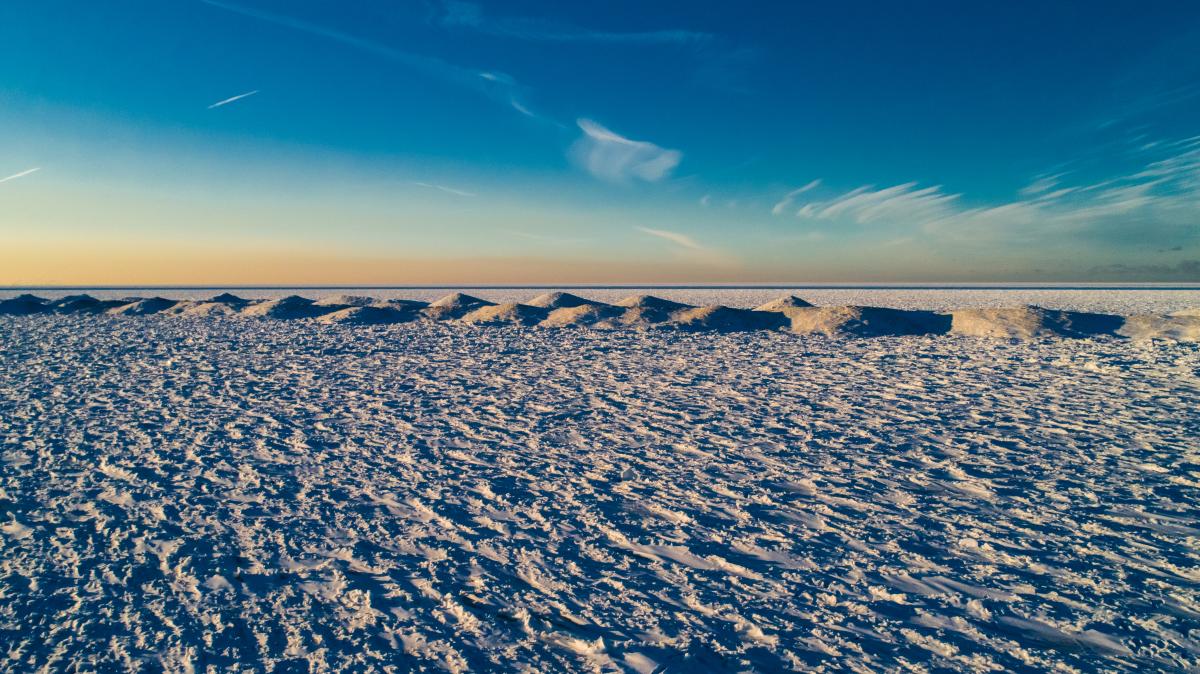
{"type": "Point", "coordinates": [610, 156]}
{"type": "Point", "coordinates": [674, 237]}
{"type": "Point", "coordinates": [1155, 205]}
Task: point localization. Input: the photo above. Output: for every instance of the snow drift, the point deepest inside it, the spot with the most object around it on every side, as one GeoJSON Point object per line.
{"type": "Point", "coordinates": [1030, 322]}
{"type": "Point", "coordinates": [865, 321]}
{"type": "Point", "coordinates": [454, 306]}
{"type": "Point", "coordinates": [509, 312]}
{"type": "Point", "coordinates": [647, 312]}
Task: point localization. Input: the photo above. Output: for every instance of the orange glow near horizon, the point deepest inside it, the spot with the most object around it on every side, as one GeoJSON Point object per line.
{"type": "Point", "coordinates": [116, 267]}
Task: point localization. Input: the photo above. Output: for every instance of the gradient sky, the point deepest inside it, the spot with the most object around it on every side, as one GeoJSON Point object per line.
{"type": "Point", "coordinates": [352, 142]}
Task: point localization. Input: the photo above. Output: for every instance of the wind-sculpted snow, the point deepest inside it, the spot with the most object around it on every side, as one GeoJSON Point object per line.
{"type": "Point", "coordinates": [1100, 299]}
{"type": "Point", "coordinates": [185, 493]}
{"type": "Point", "coordinates": [564, 310]}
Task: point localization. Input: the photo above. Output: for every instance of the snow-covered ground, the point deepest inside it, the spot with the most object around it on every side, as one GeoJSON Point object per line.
{"type": "Point", "coordinates": [239, 494]}
{"type": "Point", "coordinates": [1125, 301]}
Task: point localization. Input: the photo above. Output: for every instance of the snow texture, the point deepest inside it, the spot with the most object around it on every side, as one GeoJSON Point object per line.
{"type": "Point", "coordinates": [208, 492]}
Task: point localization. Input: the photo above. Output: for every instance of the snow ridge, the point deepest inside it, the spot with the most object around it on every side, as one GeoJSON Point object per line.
{"type": "Point", "coordinates": [565, 310]}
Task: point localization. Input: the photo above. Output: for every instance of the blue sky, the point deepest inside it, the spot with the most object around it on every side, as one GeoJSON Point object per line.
{"type": "Point", "coordinates": [262, 141]}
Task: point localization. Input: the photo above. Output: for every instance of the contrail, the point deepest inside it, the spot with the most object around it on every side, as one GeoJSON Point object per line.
{"type": "Point", "coordinates": [448, 190]}
{"type": "Point", "coordinates": [20, 175]}
{"type": "Point", "coordinates": [428, 64]}
{"type": "Point", "coordinates": [499, 88]}
{"type": "Point", "coordinates": [231, 99]}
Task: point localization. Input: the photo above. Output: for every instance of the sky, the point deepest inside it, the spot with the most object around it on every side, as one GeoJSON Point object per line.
{"type": "Point", "coordinates": [314, 142]}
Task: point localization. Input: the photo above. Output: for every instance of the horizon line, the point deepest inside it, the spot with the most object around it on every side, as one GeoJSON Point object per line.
{"type": "Point", "coordinates": [982, 285]}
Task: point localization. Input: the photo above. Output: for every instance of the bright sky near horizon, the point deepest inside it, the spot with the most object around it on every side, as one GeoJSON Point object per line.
{"type": "Point", "coordinates": [432, 141]}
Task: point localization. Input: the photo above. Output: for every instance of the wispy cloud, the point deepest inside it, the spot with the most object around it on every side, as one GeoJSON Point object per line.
{"type": "Point", "coordinates": [22, 174]}
{"type": "Point", "coordinates": [470, 15]}
{"type": "Point", "coordinates": [500, 88]}
{"type": "Point", "coordinates": [1042, 185]}
{"type": "Point", "coordinates": [719, 64]}
{"type": "Point", "coordinates": [866, 204]}
{"type": "Point", "coordinates": [675, 237]}
{"type": "Point", "coordinates": [520, 107]}
{"type": "Point", "coordinates": [231, 99]}
{"type": "Point", "coordinates": [1154, 206]}
{"type": "Point", "coordinates": [610, 156]}
{"type": "Point", "coordinates": [788, 198]}
{"type": "Point", "coordinates": [447, 190]}
{"type": "Point", "coordinates": [684, 247]}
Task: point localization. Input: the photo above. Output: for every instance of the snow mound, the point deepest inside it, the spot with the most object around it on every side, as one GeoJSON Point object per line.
{"type": "Point", "coordinates": [459, 300]}
{"type": "Point", "coordinates": [645, 311]}
{"type": "Point", "coordinates": [1179, 327]}
{"type": "Point", "coordinates": [23, 305]}
{"type": "Point", "coordinates": [225, 304]}
{"type": "Point", "coordinates": [203, 309]}
{"type": "Point", "coordinates": [345, 301]}
{"type": "Point", "coordinates": [371, 315]}
{"type": "Point", "coordinates": [455, 305]}
{"type": "Point", "coordinates": [582, 315]}
{"type": "Point", "coordinates": [509, 312]}
{"type": "Point", "coordinates": [561, 310]}
{"type": "Point", "coordinates": [143, 306]}
{"type": "Point", "coordinates": [292, 306]}
{"type": "Point", "coordinates": [560, 301]}
{"type": "Point", "coordinates": [727, 319]}
{"type": "Point", "coordinates": [865, 321]}
{"type": "Point", "coordinates": [638, 318]}
{"type": "Point", "coordinates": [82, 304]}
{"type": "Point", "coordinates": [785, 302]}
{"type": "Point", "coordinates": [651, 302]}
{"type": "Point", "coordinates": [1031, 322]}
{"type": "Point", "coordinates": [400, 304]}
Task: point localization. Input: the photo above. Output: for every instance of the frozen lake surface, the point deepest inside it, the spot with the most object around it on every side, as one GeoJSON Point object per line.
{"type": "Point", "coordinates": [182, 494]}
